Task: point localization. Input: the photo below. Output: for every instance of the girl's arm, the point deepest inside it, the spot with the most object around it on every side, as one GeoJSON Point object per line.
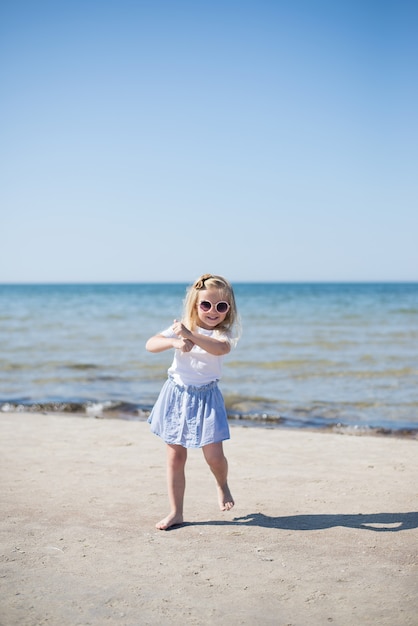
{"type": "Point", "coordinates": [159, 343]}
{"type": "Point", "coordinates": [217, 347]}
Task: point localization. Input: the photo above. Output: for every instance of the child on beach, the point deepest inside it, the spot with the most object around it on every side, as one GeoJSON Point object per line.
{"type": "Point", "coordinates": [190, 410]}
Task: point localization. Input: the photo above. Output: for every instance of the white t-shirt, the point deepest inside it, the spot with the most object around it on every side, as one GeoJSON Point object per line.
{"type": "Point", "coordinates": [196, 367]}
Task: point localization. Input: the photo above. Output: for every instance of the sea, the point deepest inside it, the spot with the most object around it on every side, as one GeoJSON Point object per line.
{"type": "Point", "coordinates": [339, 357]}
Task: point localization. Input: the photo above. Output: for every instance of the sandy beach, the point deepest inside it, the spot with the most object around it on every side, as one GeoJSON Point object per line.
{"type": "Point", "coordinates": [324, 531]}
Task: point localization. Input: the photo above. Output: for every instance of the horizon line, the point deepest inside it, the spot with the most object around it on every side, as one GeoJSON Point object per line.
{"type": "Point", "coordinates": [182, 282]}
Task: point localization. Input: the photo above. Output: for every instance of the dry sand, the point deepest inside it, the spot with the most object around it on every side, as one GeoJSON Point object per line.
{"type": "Point", "coordinates": [324, 531]}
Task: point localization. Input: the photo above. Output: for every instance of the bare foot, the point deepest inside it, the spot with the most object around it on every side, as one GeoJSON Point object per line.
{"type": "Point", "coordinates": [226, 501]}
{"type": "Point", "coordinates": [170, 520]}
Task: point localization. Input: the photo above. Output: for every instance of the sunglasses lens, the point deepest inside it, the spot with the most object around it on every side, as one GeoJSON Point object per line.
{"type": "Point", "coordinates": [205, 305]}
{"type": "Point", "coordinates": [222, 307]}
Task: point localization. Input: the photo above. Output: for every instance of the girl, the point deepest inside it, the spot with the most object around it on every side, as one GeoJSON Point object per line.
{"type": "Point", "coordinates": [190, 410]}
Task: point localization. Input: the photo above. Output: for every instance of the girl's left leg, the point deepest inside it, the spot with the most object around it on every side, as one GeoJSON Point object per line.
{"type": "Point", "coordinates": [218, 464]}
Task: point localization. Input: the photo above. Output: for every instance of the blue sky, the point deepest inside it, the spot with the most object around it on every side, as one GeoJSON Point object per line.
{"type": "Point", "coordinates": [156, 140]}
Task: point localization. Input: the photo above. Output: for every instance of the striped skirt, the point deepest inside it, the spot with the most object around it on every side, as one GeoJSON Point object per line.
{"type": "Point", "coordinates": [190, 416]}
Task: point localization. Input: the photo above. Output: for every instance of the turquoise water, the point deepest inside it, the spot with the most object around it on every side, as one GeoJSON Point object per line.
{"type": "Point", "coordinates": [317, 355]}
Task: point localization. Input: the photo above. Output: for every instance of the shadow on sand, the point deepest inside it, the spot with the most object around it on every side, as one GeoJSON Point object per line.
{"type": "Point", "coordinates": [377, 522]}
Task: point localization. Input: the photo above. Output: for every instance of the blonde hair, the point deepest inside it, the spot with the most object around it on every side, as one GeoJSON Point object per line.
{"type": "Point", "coordinates": [210, 281]}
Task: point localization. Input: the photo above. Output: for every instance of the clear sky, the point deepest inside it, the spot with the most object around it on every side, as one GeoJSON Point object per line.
{"type": "Point", "coordinates": [154, 140]}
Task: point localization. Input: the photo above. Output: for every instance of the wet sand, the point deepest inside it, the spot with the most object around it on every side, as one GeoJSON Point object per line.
{"type": "Point", "coordinates": [324, 530]}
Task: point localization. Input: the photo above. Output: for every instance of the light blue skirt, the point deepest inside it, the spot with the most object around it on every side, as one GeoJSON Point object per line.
{"type": "Point", "coordinates": [191, 417]}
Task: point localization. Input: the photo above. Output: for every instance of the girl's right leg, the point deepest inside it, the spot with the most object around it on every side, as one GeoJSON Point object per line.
{"type": "Point", "coordinates": [176, 483]}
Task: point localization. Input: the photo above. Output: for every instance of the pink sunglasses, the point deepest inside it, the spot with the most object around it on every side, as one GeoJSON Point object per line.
{"type": "Point", "coordinates": [221, 307]}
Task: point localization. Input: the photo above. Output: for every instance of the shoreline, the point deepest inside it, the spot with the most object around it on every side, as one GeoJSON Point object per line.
{"type": "Point", "coordinates": [324, 529]}
{"type": "Point", "coordinates": [243, 421]}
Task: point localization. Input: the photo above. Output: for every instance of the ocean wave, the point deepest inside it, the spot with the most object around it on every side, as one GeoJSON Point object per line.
{"type": "Point", "coordinates": [246, 412]}
{"type": "Point", "coordinates": [81, 366]}
{"type": "Point", "coordinates": [284, 364]}
{"type": "Point", "coordinates": [91, 408]}
{"type": "Point", "coordinates": [324, 368]}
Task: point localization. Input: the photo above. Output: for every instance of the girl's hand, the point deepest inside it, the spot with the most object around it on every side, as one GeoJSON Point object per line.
{"type": "Point", "coordinates": [183, 343]}
{"type": "Point", "coordinates": [181, 330]}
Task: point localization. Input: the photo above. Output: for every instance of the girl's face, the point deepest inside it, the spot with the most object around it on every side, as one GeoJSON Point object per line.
{"type": "Point", "coordinates": [209, 319]}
